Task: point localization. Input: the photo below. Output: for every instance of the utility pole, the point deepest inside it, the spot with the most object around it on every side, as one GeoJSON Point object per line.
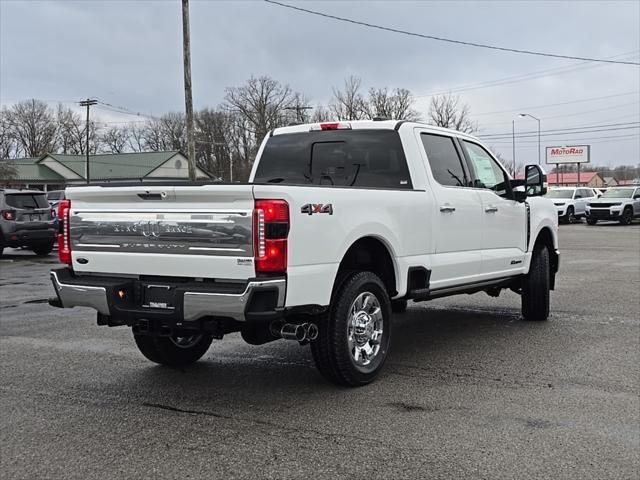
{"type": "Point", "coordinates": [299, 110]}
{"type": "Point", "coordinates": [188, 98]}
{"type": "Point", "coordinates": [87, 103]}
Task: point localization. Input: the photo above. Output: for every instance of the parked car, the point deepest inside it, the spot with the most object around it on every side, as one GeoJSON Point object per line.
{"type": "Point", "coordinates": [340, 224]}
{"type": "Point", "coordinates": [571, 202]}
{"type": "Point", "coordinates": [621, 204]}
{"type": "Point", "coordinates": [54, 197]}
{"type": "Point", "coordinates": [26, 220]}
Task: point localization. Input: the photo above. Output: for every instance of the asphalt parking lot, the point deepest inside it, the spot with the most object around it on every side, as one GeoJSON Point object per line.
{"type": "Point", "coordinates": [469, 390]}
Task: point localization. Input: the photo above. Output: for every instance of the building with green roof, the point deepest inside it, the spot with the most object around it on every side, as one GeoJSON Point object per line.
{"type": "Point", "coordinates": [54, 171]}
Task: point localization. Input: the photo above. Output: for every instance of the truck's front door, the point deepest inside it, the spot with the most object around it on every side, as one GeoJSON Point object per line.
{"type": "Point", "coordinates": [504, 221]}
{"type": "Point", "coordinates": [457, 219]}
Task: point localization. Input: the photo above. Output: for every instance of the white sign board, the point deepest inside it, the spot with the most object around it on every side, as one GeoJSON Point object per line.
{"type": "Point", "coordinates": [569, 154]}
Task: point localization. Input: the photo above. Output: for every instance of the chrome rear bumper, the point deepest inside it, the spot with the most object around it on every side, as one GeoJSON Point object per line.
{"type": "Point", "coordinates": [195, 304]}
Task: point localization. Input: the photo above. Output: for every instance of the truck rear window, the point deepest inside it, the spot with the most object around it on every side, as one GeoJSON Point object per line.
{"type": "Point", "coordinates": [26, 200]}
{"type": "Point", "coordinates": [356, 158]}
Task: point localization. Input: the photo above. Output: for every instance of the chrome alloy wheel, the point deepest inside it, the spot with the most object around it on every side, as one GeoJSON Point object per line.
{"type": "Point", "coordinates": [186, 341]}
{"type": "Point", "coordinates": [365, 328]}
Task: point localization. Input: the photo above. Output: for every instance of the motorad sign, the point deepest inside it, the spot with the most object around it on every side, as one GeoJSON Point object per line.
{"type": "Point", "coordinates": [569, 154]}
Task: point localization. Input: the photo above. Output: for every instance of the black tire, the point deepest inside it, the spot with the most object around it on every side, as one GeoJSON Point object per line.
{"type": "Point", "coordinates": [398, 306]}
{"type": "Point", "coordinates": [536, 286]}
{"type": "Point", "coordinates": [570, 216]}
{"type": "Point", "coordinates": [167, 351]}
{"type": "Point", "coordinates": [42, 249]}
{"type": "Point", "coordinates": [627, 216]}
{"type": "Point", "coordinates": [592, 221]}
{"type": "Point", "coordinates": [331, 351]}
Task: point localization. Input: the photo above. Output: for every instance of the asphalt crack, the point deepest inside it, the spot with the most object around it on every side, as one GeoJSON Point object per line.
{"type": "Point", "coordinates": [184, 410]}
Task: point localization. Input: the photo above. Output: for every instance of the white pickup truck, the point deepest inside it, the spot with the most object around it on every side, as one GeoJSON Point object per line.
{"type": "Point", "coordinates": [340, 224]}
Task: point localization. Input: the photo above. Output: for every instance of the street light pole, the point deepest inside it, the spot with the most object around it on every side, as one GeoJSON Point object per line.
{"type": "Point", "coordinates": [522, 115]}
{"type": "Point", "coordinates": [513, 143]}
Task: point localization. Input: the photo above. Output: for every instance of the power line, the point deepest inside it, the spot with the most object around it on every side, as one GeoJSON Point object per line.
{"type": "Point", "coordinates": [530, 138]}
{"type": "Point", "coordinates": [560, 130]}
{"type": "Point", "coordinates": [524, 77]}
{"type": "Point", "coordinates": [600, 139]}
{"type": "Point", "coordinates": [535, 107]}
{"type": "Point", "coordinates": [584, 112]}
{"type": "Point", "coordinates": [117, 109]}
{"type": "Point", "coordinates": [448, 40]}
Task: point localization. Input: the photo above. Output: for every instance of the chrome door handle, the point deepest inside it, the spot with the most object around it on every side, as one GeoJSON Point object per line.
{"type": "Point", "coordinates": [447, 208]}
{"type": "Point", "coordinates": [491, 209]}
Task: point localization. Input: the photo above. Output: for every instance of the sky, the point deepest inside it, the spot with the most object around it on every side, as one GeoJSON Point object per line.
{"type": "Point", "coordinates": [129, 54]}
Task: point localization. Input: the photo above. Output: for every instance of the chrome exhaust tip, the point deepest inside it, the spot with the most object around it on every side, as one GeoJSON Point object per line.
{"type": "Point", "coordinates": [312, 331]}
{"type": "Point", "coordinates": [291, 331]}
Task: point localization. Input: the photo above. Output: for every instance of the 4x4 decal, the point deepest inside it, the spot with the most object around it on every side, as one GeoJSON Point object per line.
{"type": "Point", "coordinates": [311, 208]}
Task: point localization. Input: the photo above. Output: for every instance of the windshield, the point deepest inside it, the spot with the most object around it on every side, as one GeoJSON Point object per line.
{"type": "Point", "coordinates": [27, 200]}
{"type": "Point", "coordinates": [618, 193]}
{"type": "Point", "coordinates": [559, 194]}
{"type": "Point", "coordinates": [358, 158]}
{"type": "Point", "coordinates": [55, 195]}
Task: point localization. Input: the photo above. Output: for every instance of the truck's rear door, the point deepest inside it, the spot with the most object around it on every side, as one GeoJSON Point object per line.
{"type": "Point", "coordinates": [201, 231]}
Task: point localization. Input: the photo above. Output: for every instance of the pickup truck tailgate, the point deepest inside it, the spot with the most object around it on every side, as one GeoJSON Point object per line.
{"type": "Point", "coordinates": [200, 231]}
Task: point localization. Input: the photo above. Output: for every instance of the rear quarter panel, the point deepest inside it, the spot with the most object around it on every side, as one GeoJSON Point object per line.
{"type": "Point", "coordinates": [400, 219]}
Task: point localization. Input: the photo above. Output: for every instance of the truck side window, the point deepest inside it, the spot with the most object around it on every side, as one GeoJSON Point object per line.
{"type": "Point", "coordinates": [488, 174]}
{"type": "Point", "coordinates": [444, 160]}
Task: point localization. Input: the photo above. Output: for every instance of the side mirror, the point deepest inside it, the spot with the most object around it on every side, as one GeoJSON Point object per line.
{"type": "Point", "coordinates": [535, 183]}
{"type": "Point", "coordinates": [637, 196]}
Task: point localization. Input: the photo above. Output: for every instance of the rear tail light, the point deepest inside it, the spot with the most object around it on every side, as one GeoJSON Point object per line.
{"type": "Point", "coordinates": [271, 228]}
{"type": "Point", "coordinates": [64, 233]}
{"type": "Point", "coordinates": [330, 126]}
{"type": "Point", "coordinates": [9, 214]}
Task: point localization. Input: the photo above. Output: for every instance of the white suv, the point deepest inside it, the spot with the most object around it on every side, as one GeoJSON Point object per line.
{"type": "Point", "coordinates": [618, 203]}
{"type": "Point", "coordinates": [571, 202]}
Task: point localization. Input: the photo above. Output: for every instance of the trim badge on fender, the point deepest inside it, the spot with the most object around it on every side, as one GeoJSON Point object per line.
{"type": "Point", "coordinates": [311, 208]}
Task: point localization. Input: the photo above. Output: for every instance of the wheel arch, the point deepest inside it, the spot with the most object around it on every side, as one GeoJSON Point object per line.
{"type": "Point", "coordinates": [371, 253]}
{"type": "Point", "coordinates": [546, 238]}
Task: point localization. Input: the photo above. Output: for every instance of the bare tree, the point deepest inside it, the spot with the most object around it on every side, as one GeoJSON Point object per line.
{"type": "Point", "coordinates": [7, 171]}
{"type": "Point", "coordinates": [213, 140]}
{"type": "Point", "coordinates": [244, 148]}
{"type": "Point", "coordinates": [396, 104]}
{"type": "Point", "coordinates": [136, 138]}
{"type": "Point", "coordinates": [71, 133]}
{"type": "Point", "coordinates": [8, 145]}
{"type": "Point", "coordinates": [115, 139]}
{"type": "Point", "coordinates": [33, 126]}
{"type": "Point", "coordinates": [450, 112]}
{"type": "Point", "coordinates": [513, 166]}
{"type": "Point", "coordinates": [262, 102]}
{"type": "Point", "coordinates": [349, 104]}
{"type": "Point", "coordinates": [321, 114]}
{"type": "Point", "coordinates": [165, 133]}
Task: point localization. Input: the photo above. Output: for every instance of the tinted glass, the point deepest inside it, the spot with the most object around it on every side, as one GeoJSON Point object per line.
{"type": "Point", "coordinates": [358, 158]}
{"type": "Point", "coordinates": [55, 195]}
{"type": "Point", "coordinates": [618, 193]}
{"type": "Point", "coordinates": [444, 160]}
{"type": "Point", "coordinates": [559, 194]}
{"type": "Point", "coordinates": [488, 173]}
{"type": "Point", "coordinates": [24, 200]}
